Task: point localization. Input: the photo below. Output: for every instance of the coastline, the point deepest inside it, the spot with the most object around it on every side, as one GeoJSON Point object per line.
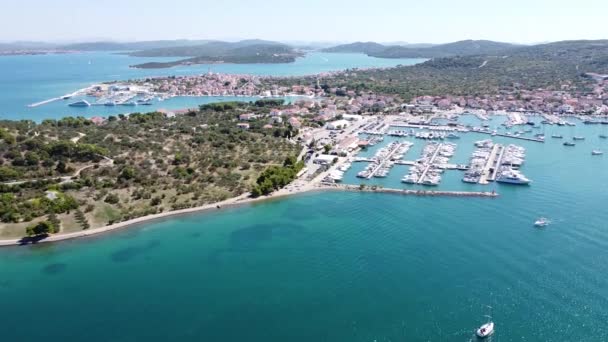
{"type": "Point", "coordinates": [233, 202]}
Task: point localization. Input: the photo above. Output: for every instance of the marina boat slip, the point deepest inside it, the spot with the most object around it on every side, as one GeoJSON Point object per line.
{"type": "Point", "coordinates": [427, 170]}
{"type": "Point", "coordinates": [495, 162]}
{"type": "Point", "coordinates": [384, 160]}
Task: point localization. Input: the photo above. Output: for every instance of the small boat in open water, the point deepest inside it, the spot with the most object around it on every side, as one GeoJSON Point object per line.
{"type": "Point", "coordinates": [578, 138]}
{"type": "Point", "coordinates": [567, 143]}
{"type": "Point", "coordinates": [486, 329]}
{"type": "Point", "coordinates": [541, 222]}
{"type": "Point", "coordinates": [597, 152]}
{"type": "Point", "coordinates": [557, 136]}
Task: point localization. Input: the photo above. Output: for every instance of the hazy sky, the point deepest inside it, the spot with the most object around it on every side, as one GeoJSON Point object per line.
{"type": "Point", "coordinates": [432, 21]}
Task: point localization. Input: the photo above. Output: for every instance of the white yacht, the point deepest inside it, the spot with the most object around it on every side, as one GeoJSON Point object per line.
{"type": "Point", "coordinates": [412, 178]}
{"type": "Point", "coordinates": [485, 330]}
{"type": "Point", "coordinates": [541, 222]}
{"type": "Point", "coordinates": [512, 177]}
{"type": "Point", "coordinates": [82, 103]}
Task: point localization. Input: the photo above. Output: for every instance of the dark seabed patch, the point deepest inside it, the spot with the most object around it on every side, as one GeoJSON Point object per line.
{"type": "Point", "coordinates": [53, 269]}
{"type": "Point", "coordinates": [127, 254]}
{"type": "Point", "coordinates": [252, 235]}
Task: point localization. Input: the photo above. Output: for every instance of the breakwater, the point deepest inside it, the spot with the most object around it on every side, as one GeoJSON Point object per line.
{"type": "Point", "coordinates": [347, 187]}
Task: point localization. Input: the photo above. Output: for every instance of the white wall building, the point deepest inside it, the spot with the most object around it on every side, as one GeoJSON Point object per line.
{"type": "Point", "coordinates": [338, 124]}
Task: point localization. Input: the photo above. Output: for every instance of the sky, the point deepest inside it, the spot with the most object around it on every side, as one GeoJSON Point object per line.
{"type": "Point", "coordinates": [422, 21]}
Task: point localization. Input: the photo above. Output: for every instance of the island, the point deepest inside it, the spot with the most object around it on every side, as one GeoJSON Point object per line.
{"type": "Point", "coordinates": [243, 52]}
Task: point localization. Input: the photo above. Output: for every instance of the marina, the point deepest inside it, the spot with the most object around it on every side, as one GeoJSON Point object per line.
{"type": "Point", "coordinates": [496, 160]}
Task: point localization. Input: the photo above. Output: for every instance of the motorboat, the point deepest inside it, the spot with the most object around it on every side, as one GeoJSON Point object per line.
{"type": "Point", "coordinates": [603, 136]}
{"type": "Point", "coordinates": [511, 176]}
{"type": "Point", "coordinates": [568, 143]}
{"type": "Point", "coordinates": [83, 103]}
{"type": "Point", "coordinates": [597, 152]}
{"type": "Point", "coordinates": [486, 329]}
{"type": "Point", "coordinates": [578, 138]}
{"type": "Point", "coordinates": [557, 136]}
{"type": "Point", "coordinates": [541, 222]}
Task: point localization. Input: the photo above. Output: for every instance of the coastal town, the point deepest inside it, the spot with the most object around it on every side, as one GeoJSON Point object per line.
{"type": "Point", "coordinates": [146, 91]}
{"type": "Point", "coordinates": [334, 127]}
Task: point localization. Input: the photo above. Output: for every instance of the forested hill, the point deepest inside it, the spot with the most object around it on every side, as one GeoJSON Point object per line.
{"type": "Point", "coordinates": [358, 47]}
{"type": "Point", "coordinates": [530, 67]}
{"type": "Point", "coordinates": [255, 52]}
{"type": "Point", "coordinates": [460, 48]}
{"type": "Point", "coordinates": [130, 46]}
{"type": "Point", "coordinates": [214, 49]}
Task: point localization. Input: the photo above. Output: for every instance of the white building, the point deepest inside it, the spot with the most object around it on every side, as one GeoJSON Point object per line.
{"type": "Point", "coordinates": [324, 159]}
{"type": "Point", "coordinates": [352, 117]}
{"type": "Point", "coordinates": [338, 124]}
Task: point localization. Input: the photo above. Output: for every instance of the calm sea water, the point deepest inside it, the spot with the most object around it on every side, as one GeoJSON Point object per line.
{"type": "Point", "coordinates": [339, 266]}
{"type": "Point", "coordinates": [30, 79]}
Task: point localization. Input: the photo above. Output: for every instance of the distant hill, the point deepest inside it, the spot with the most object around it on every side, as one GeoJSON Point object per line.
{"type": "Point", "coordinates": [461, 48]}
{"type": "Point", "coordinates": [131, 46]}
{"type": "Point", "coordinates": [212, 48]}
{"type": "Point", "coordinates": [358, 47]}
{"type": "Point", "coordinates": [547, 66]}
{"type": "Point", "coordinates": [251, 51]}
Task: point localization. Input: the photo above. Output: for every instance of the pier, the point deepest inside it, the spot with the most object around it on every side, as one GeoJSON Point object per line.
{"type": "Point", "coordinates": [513, 136]}
{"type": "Point", "coordinates": [383, 161]}
{"type": "Point", "coordinates": [485, 172]}
{"type": "Point", "coordinates": [429, 164]}
{"type": "Point", "coordinates": [37, 104]}
{"type": "Point", "coordinates": [67, 96]}
{"type": "Point", "coordinates": [497, 163]}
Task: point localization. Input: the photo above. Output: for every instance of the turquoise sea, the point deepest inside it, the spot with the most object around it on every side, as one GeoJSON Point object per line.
{"type": "Point", "coordinates": [337, 266]}
{"type": "Point", "coordinates": [31, 79]}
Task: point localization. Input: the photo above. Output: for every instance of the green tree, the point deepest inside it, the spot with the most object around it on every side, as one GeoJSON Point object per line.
{"type": "Point", "coordinates": [41, 229]}
{"type": "Point", "coordinates": [112, 199]}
